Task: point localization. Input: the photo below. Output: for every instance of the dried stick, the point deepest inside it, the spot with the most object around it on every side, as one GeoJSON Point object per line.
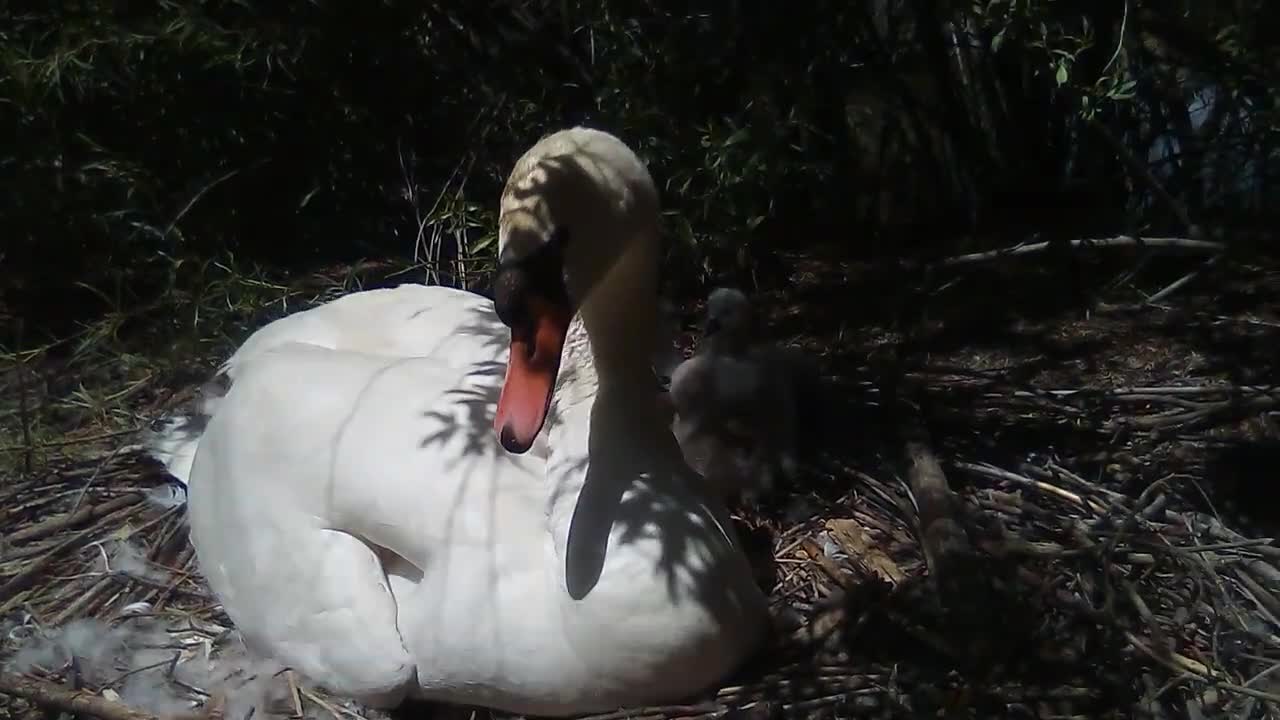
{"type": "Point", "coordinates": [54, 525]}
{"type": "Point", "coordinates": [1142, 171]}
{"type": "Point", "coordinates": [35, 571]}
{"type": "Point", "coordinates": [1168, 243]}
{"type": "Point", "coordinates": [124, 449]}
{"type": "Point", "coordinates": [294, 697]}
{"type": "Point", "coordinates": [659, 711]}
{"type": "Point", "coordinates": [1201, 413]}
{"type": "Point", "coordinates": [32, 574]}
{"type": "Point", "coordinates": [81, 702]}
{"type": "Point", "coordinates": [942, 536]}
{"type": "Point", "coordinates": [1176, 285]}
{"type": "Point", "coordinates": [336, 711]}
{"type": "Point", "coordinates": [948, 551]}
{"type": "Point", "coordinates": [1050, 489]}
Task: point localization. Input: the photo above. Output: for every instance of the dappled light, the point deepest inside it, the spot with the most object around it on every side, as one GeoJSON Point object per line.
{"type": "Point", "coordinates": [1029, 251]}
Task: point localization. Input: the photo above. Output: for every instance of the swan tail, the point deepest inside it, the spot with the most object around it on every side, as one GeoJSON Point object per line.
{"type": "Point", "coordinates": [173, 439]}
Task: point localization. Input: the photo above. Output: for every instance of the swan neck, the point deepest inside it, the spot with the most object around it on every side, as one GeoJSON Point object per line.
{"type": "Point", "coordinates": [620, 318]}
{"type": "Point", "coordinates": [606, 429]}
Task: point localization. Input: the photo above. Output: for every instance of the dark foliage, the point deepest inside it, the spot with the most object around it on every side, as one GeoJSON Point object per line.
{"type": "Point", "coordinates": [150, 138]}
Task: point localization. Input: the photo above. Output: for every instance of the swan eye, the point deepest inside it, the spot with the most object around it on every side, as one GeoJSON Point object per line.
{"type": "Point", "coordinates": [511, 296]}
{"type": "Point", "coordinates": [539, 274]}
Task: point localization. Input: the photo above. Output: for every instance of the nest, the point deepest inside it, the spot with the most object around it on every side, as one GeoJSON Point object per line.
{"type": "Point", "coordinates": [1075, 600]}
{"type": "Point", "coordinates": [923, 570]}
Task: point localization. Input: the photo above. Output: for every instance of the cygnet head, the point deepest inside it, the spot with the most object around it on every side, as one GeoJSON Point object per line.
{"type": "Point", "coordinates": [577, 233]}
{"type": "Point", "coordinates": [730, 319]}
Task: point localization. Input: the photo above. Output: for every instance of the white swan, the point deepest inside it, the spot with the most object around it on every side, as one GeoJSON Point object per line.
{"type": "Point", "coordinates": [354, 509]}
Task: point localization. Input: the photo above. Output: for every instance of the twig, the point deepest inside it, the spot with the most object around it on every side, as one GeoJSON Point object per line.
{"type": "Point", "coordinates": [170, 661]}
{"type": "Point", "coordinates": [1171, 659]}
{"type": "Point", "coordinates": [1216, 529]}
{"type": "Point", "coordinates": [80, 441]}
{"type": "Point", "coordinates": [1056, 471]}
{"type": "Point", "coordinates": [1124, 22]}
{"type": "Point", "coordinates": [334, 710]}
{"type": "Point", "coordinates": [1257, 403]}
{"type": "Point", "coordinates": [1269, 671]}
{"type": "Point", "coordinates": [1174, 286]}
{"type": "Point", "coordinates": [998, 474]}
{"type": "Point", "coordinates": [294, 696]}
{"type": "Point", "coordinates": [196, 198]}
{"type": "Point", "coordinates": [1248, 692]}
{"type": "Point", "coordinates": [1264, 597]}
{"type": "Point", "coordinates": [54, 525]}
{"type": "Point", "coordinates": [76, 607]}
{"type": "Point", "coordinates": [35, 570]}
{"type": "Point", "coordinates": [89, 483]}
{"type": "Point", "coordinates": [661, 711]}
{"type": "Point", "coordinates": [1169, 243]}
{"type": "Point", "coordinates": [943, 538]}
{"type": "Point", "coordinates": [1144, 611]}
{"type": "Point", "coordinates": [1217, 547]}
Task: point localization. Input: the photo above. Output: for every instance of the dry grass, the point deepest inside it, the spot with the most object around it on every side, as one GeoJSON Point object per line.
{"type": "Point", "coordinates": [1090, 454]}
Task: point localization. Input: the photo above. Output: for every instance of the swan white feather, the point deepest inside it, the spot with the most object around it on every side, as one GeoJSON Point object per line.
{"type": "Point", "coordinates": [355, 512]}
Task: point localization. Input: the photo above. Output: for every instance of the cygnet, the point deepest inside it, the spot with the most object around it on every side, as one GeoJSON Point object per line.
{"type": "Point", "coordinates": [735, 404]}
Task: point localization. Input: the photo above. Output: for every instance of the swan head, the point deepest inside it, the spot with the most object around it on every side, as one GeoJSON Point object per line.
{"type": "Point", "coordinates": [577, 227]}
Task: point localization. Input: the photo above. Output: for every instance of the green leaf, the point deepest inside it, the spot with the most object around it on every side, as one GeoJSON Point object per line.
{"type": "Point", "coordinates": [483, 243]}
{"type": "Point", "coordinates": [1062, 74]}
{"type": "Point", "coordinates": [737, 137]}
{"type": "Point", "coordinates": [307, 198]}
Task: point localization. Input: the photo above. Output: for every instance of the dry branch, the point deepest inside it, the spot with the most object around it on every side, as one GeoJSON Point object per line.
{"type": "Point", "coordinates": [85, 514]}
{"type": "Point", "coordinates": [33, 573]}
{"type": "Point", "coordinates": [943, 538]}
{"type": "Point", "coordinates": [1200, 412]}
{"type": "Point", "coordinates": [1163, 243]}
{"type": "Point", "coordinates": [81, 702]}
{"type": "Point", "coordinates": [947, 548]}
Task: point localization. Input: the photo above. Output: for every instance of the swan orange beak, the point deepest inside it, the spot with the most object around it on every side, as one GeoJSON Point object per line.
{"type": "Point", "coordinates": [532, 367]}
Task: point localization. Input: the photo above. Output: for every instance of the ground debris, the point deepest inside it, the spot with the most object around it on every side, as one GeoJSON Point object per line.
{"type": "Point", "coordinates": [1091, 489]}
